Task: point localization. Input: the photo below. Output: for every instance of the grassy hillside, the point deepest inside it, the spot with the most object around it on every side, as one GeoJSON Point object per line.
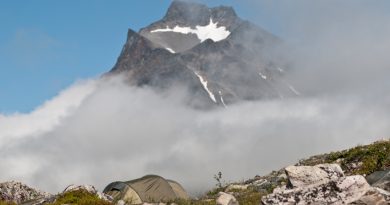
{"type": "Point", "coordinates": [362, 160]}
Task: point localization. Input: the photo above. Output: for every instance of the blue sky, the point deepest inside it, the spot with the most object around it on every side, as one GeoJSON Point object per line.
{"type": "Point", "coordinates": [47, 45]}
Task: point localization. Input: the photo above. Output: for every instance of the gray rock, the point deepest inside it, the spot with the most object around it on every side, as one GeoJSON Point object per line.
{"type": "Point", "coordinates": [89, 188]}
{"type": "Point", "coordinates": [265, 183]}
{"type": "Point", "coordinates": [226, 199]}
{"type": "Point", "coordinates": [300, 176]}
{"type": "Point", "coordinates": [341, 191]}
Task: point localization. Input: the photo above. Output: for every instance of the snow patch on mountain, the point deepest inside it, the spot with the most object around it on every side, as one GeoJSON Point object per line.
{"type": "Point", "coordinates": [170, 50]}
{"type": "Point", "coordinates": [204, 83]}
{"type": "Point", "coordinates": [223, 102]}
{"type": "Point", "coordinates": [263, 76]}
{"type": "Point", "coordinates": [294, 90]}
{"type": "Point", "coordinates": [210, 31]}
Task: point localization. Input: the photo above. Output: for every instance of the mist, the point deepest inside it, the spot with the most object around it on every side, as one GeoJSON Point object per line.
{"type": "Point", "coordinates": [102, 130]}
{"type": "Point", "coordinates": [120, 132]}
{"type": "Point", "coordinates": [334, 47]}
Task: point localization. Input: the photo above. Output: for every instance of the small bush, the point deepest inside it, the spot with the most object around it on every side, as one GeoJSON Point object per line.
{"type": "Point", "coordinates": [80, 197]}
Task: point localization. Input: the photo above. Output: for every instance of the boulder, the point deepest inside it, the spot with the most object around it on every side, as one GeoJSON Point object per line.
{"type": "Point", "coordinates": [226, 199]}
{"type": "Point", "coordinates": [341, 191]}
{"type": "Point", "coordinates": [89, 188]}
{"type": "Point", "coordinates": [300, 176]}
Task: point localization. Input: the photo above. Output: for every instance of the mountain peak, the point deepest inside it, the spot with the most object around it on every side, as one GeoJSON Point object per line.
{"type": "Point", "coordinates": [187, 12]}
{"type": "Point", "coordinates": [192, 14]}
{"type": "Point", "coordinates": [224, 12]}
{"type": "Point", "coordinates": [218, 57]}
{"type": "Point", "coordinates": [186, 24]}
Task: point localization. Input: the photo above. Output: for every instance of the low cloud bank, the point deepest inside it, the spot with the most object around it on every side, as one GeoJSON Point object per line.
{"type": "Point", "coordinates": [46, 117]}
{"type": "Point", "coordinates": [119, 132]}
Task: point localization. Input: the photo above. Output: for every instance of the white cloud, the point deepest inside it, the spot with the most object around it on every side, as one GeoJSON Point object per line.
{"type": "Point", "coordinates": [45, 117]}
{"type": "Point", "coordinates": [120, 133]}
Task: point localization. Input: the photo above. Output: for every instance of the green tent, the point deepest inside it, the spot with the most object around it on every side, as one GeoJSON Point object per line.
{"type": "Point", "coordinates": [150, 188]}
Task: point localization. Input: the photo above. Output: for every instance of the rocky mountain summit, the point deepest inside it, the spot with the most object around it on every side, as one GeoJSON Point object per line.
{"type": "Point", "coordinates": [211, 52]}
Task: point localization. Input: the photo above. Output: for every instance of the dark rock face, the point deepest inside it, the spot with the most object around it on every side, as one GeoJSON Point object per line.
{"type": "Point", "coordinates": [380, 179]}
{"type": "Point", "coordinates": [211, 52]}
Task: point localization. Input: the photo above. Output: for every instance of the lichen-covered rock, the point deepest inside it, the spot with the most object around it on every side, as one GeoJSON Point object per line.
{"type": "Point", "coordinates": [300, 176]}
{"type": "Point", "coordinates": [18, 192]}
{"type": "Point", "coordinates": [89, 188]}
{"type": "Point", "coordinates": [264, 184]}
{"type": "Point", "coordinates": [226, 199]}
{"type": "Point", "coordinates": [341, 191]}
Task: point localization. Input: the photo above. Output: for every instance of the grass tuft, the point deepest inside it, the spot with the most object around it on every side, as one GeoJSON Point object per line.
{"type": "Point", "coordinates": [6, 203]}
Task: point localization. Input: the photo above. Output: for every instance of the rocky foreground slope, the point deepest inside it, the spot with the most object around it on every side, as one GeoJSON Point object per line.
{"type": "Point", "coordinates": [360, 175]}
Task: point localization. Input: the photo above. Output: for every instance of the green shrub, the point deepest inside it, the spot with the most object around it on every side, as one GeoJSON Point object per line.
{"type": "Point", "coordinates": [80, 197]}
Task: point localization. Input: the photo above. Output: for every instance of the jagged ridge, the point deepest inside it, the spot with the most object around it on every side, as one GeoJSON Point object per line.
{"type": "Point", "coordinates": [217, 56]}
